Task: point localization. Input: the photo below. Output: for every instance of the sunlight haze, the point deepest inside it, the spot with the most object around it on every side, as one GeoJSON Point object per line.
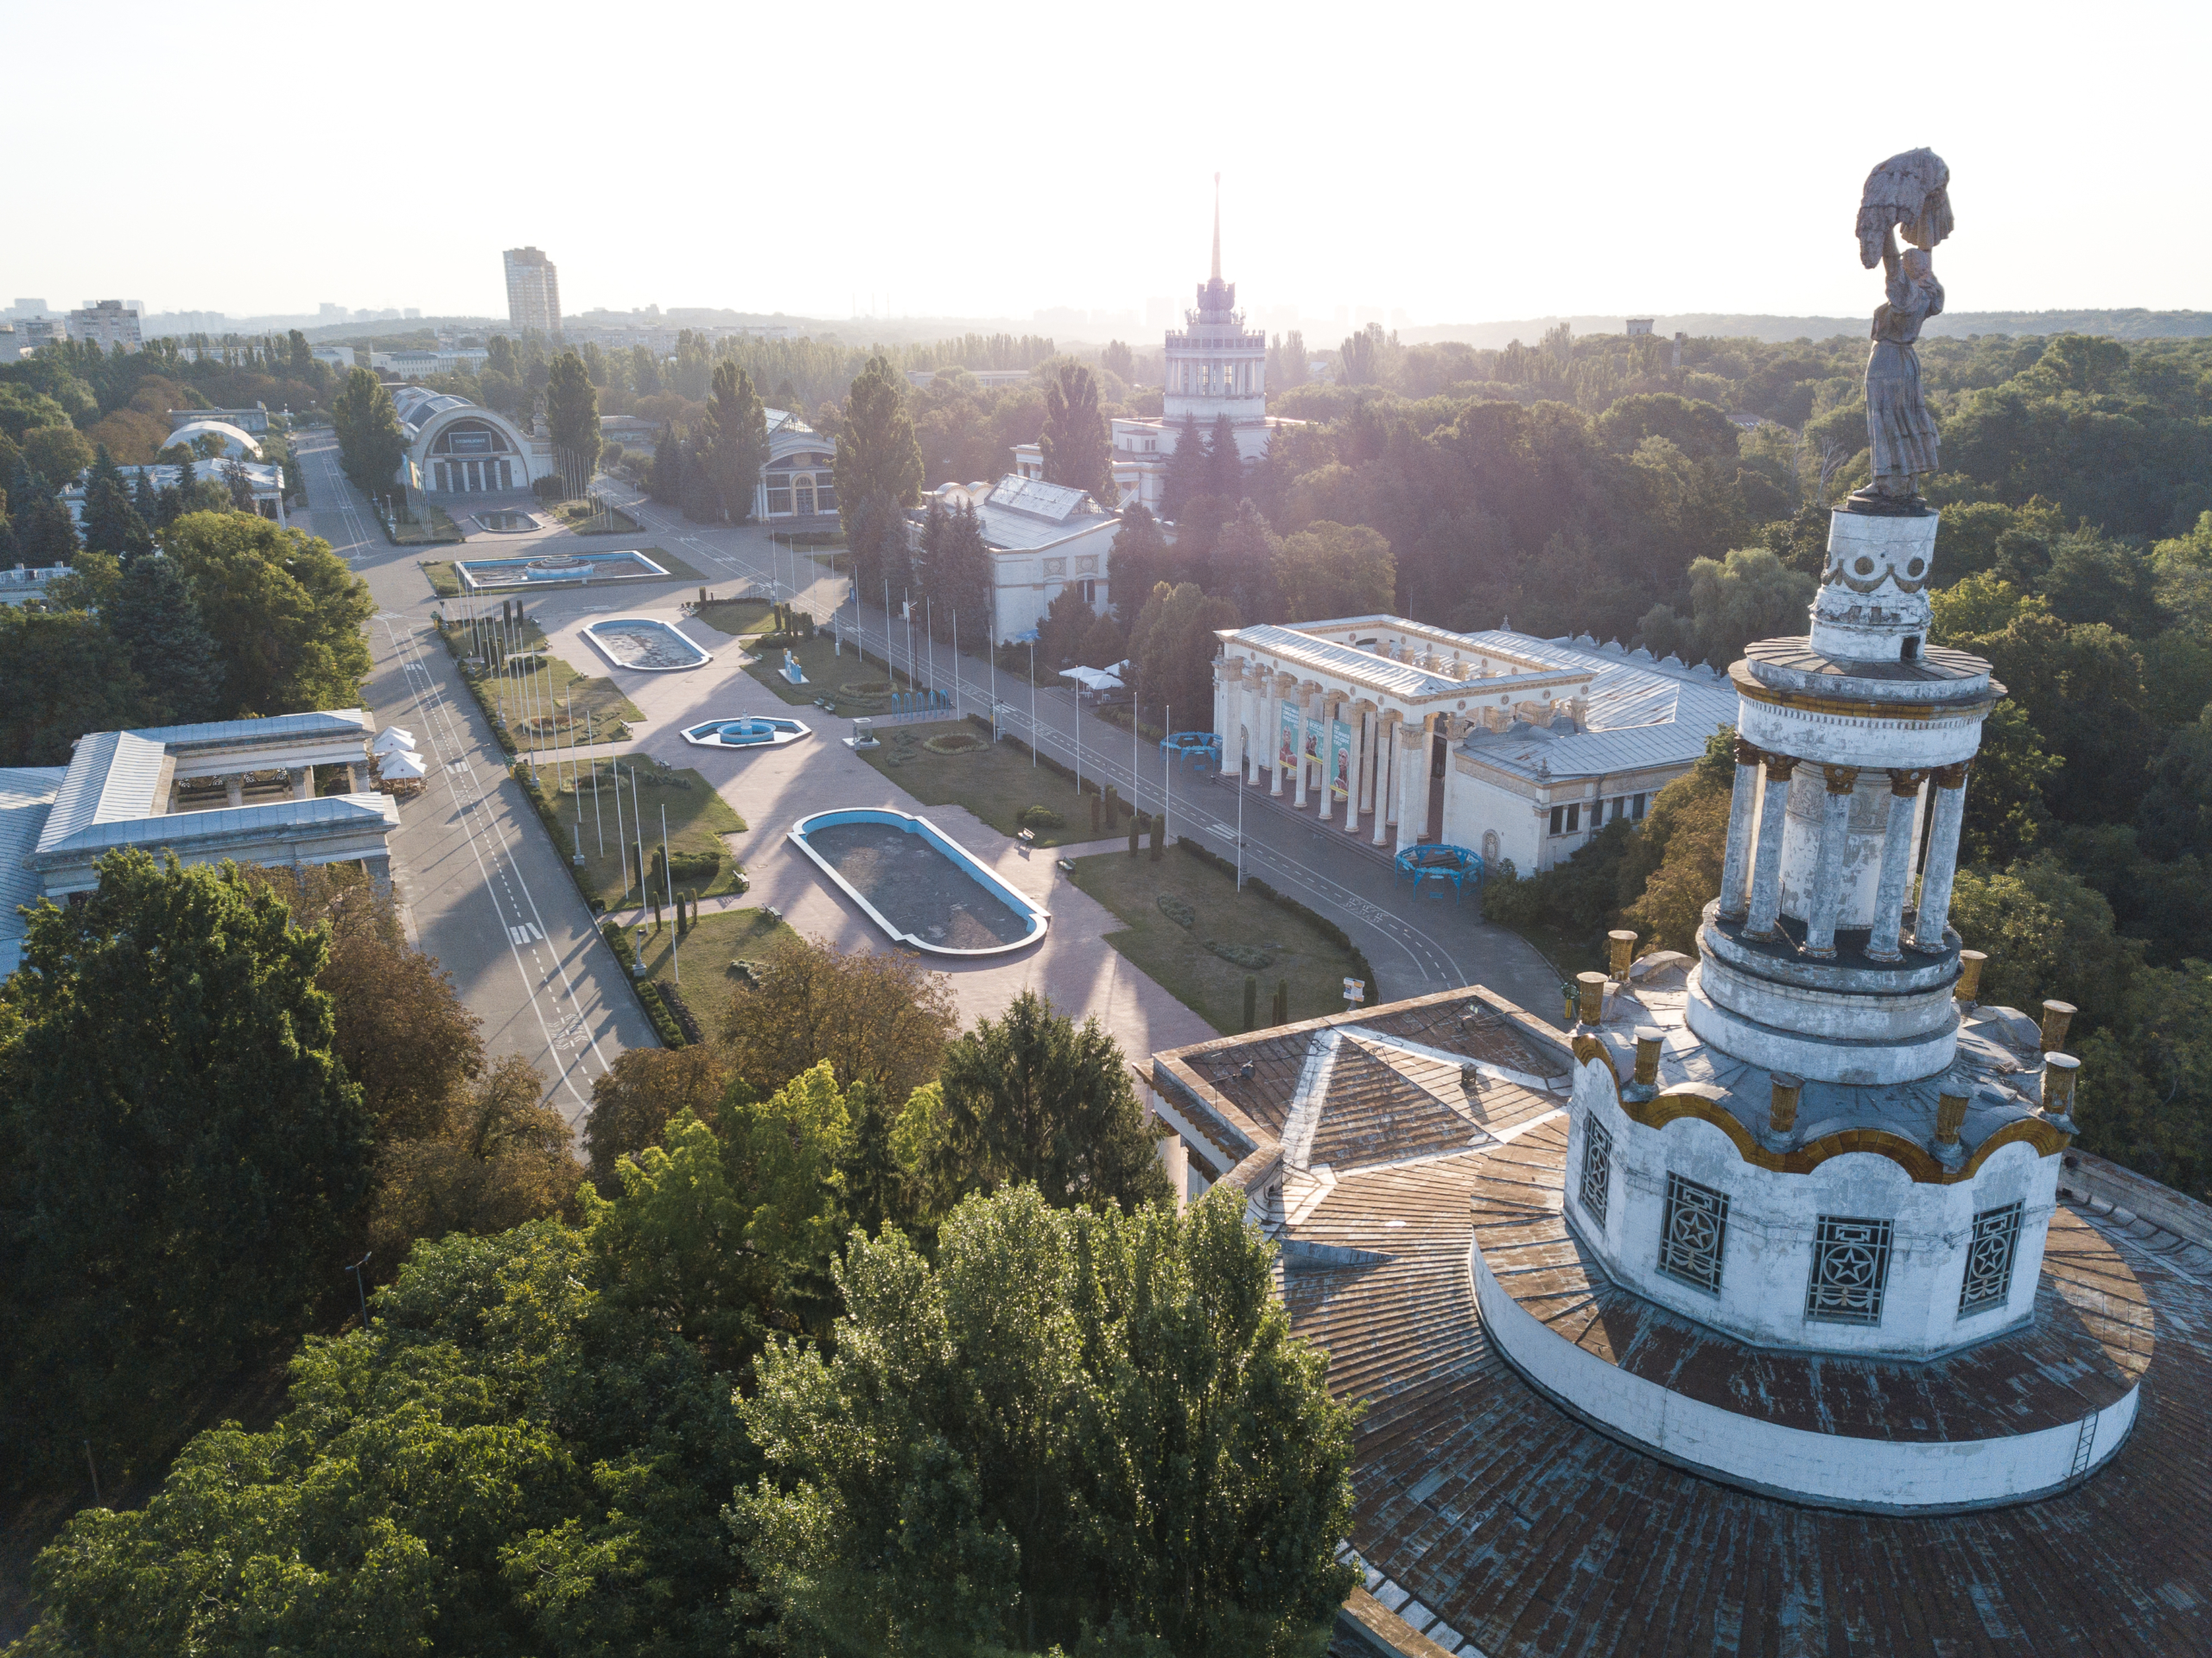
{"type": "Point", "coordinates": [1452, 164]}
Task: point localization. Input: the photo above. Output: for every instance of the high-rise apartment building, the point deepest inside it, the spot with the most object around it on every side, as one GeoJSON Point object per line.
{"type": "Point", "coordinates": [533, 290]}
{"type": "Point", "coordinates": [107, 324]}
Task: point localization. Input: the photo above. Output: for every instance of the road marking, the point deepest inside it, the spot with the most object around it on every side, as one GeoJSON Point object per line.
{"type": "Point", "coordinates": [439, 721]}
{"type": "Point", "coordinates": [525, 934]}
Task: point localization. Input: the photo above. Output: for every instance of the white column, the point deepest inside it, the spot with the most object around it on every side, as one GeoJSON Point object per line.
{"type": "Point", "coordinates": [1309, 730]}
{"type": "Point", "coordinates": [301, 778]}
{"type": "Point", "coordinates": [1897, 868]}
{"type": "Point", "coordinates": [1352, 769]}
{"type": "Point", "coordinates": [1735, 868]}
{"type": "Point", "coordinates": [1411, 767]}
{"type": "Point", "coordinates": [1278, 686]}
{"type": "Point", "coordinates": [357, 778]}
{"type": "Point", "coordinates": [1942, 857]}
{"type": "Point", "coordinates": [1827, 867]}
{"type": "Point", "coordinates": [234, 790]}
{"type": "Point", "coordinates": [1766, 862]}
{"type": "Point", "coordinates": [1370, 751]}
{"type": "Point", "coordinates": [1386, 755]}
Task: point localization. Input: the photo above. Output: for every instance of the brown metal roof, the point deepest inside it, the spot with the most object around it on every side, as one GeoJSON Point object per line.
{"type": "Point", "coordinates": [1487, 1516]}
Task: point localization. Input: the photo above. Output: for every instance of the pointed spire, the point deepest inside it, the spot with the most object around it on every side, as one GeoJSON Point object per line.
{"type": "Point", "coordinates": [1216, 227]}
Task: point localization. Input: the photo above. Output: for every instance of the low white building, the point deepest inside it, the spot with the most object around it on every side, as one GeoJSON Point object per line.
{"type": "Point", "coordinates": [797, 488]}
{"type": "Point", "coordinates": [264, 483]}
{"type": "Point", "coordinates": [458, 448]}
{"type": "Point", "coordinates": [1512, 746]}
{"type": "Point", "coordinates": [228, 788]}
{"type": "Point", "coordinates": [254, 420]}
{"type": "Point", "coordinates": [237, 443]}
{"type": "Point", "coordinates": [1043, 539]}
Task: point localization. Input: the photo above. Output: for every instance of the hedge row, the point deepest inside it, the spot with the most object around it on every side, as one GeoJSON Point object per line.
{"type": "Point", "coordinates": [649, 994]}
{"type": "Point", "coordinates": [1362, 968]}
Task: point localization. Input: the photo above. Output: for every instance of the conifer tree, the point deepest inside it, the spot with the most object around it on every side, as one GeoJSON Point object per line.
{"type": "Point", "coordinates": [156, 619]}
{"type": "Point", "coordinates": [664, 483]}
{"type": "Point", "coordinates": [741, 441]}
{"type": "Point", "coordinates": [572, 412]}
{"type": "Point", "coordinates": [1074, 441]}
{"type": "Point", "coordinates": [1138, 563]}
{"type": "Point", "coordinates": [1187, 473]}
{"type": "Point", "coordinates": [145, 500]}
{"type": "Point", "coordinates": [111, 526]}
{"type": "Point", "coordinates": [877, 452]}
{"type": "Point", "coordinates": [1224, 465]}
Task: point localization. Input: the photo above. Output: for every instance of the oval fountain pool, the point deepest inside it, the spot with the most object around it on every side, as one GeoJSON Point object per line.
{"type": "Point", "coordinates": [918, 884]}
{"type": "Point", "coordinates": [644, 643]}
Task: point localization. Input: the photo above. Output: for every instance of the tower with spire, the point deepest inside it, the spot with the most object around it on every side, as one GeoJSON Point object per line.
{"type": "Point", "coordinates": [1216, 366]}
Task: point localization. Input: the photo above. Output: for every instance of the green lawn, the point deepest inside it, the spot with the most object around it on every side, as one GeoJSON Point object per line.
{"type": "Point", "coordinates": [440, 529]}
{"type": "Point", "coordinates": [827, 674]}
{"type": "Point", "coordinates": [708, 950]}
{"type": "Point", "coordinates": [1209, 985]}
{"type": "Point", "coordinates": [994, 782]}
{"type": "Point", "coordinates": [582, 520]}
{"type": "Point", "coordinates": [737, 617]}
{"type": "Point", "coordinates": [443, 582]}
{"type": "Point", "coordinates": [548, 685]}
{"type": "Point", "coordinates": [697, 819]}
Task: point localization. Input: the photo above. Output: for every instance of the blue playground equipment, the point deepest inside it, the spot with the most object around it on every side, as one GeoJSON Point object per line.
{"type": "Point", "coordinates": [1430, 861]}
{"type": "Point", "coordinates": [918, 702]}
{"type": "Point", "coordinates": [1198, 749]}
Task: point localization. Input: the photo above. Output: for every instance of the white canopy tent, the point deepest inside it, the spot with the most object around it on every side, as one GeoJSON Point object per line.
{"type": "Point", "coordinates": [392, 738]}
{"type": "Point", "coordinates": [402, 762]}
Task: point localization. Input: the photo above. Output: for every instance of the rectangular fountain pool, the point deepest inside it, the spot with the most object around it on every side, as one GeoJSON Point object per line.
{"type": "Point", "coordinates": [921, 887]}
{"type": "Point", "coordinates": [555, 569]}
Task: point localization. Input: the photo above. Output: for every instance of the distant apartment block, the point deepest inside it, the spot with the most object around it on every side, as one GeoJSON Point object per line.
{"type": "Point", "coordinates": [533, 290]}
{"type": "Point", "coordinates": [107, 324]}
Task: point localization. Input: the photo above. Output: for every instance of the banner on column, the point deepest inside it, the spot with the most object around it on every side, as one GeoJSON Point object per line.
{"type": "Point", "coordinates": [1340, 759]}
{"type": "Point", "coordinates": [1287, 739]}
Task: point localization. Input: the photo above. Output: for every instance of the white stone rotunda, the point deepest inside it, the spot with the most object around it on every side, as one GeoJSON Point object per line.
{"type": "Point", "coordinates": [1824, 1177]}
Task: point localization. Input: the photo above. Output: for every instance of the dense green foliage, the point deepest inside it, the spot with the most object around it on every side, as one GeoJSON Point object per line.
{"type": "Point", "coordinates": [369, 443]}
{"type": "Point", "coordinates": [1074, 1423]}
{"type": "Point", "coordinates": [182, 1156]}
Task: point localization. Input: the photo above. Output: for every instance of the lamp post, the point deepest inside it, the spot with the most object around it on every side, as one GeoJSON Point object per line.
{"type": "Point", "coordinates": [1167, 759]}
{"type": "Point", "coordinates": [356, 1270]}
{"type": "Point", "coordinates": [1032, 699]}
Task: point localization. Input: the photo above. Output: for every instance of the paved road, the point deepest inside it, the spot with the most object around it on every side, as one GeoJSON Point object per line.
{"type": "Point", "coordinates": [1416, 944]}
{"type": "Point", "coordinates": [482, 886]}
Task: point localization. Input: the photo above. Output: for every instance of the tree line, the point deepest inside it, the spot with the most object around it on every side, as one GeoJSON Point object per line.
{"type": "Point", "coordinates": [847, 1267]}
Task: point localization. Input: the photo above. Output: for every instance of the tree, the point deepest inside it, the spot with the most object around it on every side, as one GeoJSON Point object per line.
{"type": "Point", "coordinates": [1224, 461]}
{"type": "Point", "coordinates": [1186, 474]}
{"type": "Point", "coordinates": [572, 414]}
{"type": "Point", "coordinates": [111, 524]}
{"type": "Point", "coordinates": [1172, 648]}
{"type": "Point", "coordinates": [1700, 430]}
{"type": "Point", "coordinates": [1029, 1098]}
{"type": "Point", "coordinates": [1138, 562]}
{"type": "Point", "coordinates": [154, 617]}
{"type": "Point", "coordinates": [509, 1462]}
{"type": "Point", "coordinates": [956, 569]}
{"type": "Point", "coordinates": [499, 1157]}
{"type": "Point", "coordinates": [182, 1156]}
{"type": "Point", "coordinates": [285, 612]}
{"type": "Point", "coordinates": [1246, 566]}
{"type": "Point", "coordinates": [664, 483]}
{"type": "Point", "coordinates": [1076, 448]}
{"type": "Point", "coordinates": [1749, 595]}
{"type": "Point", "coordinates": [44, 534]}
{"type": "Point", "coordinates": [633, 1100]}
{"type": "Point", "coordinates": [57, 454]}
{"type": "Point", "coordinates": [1133, 1442]}
{"type": "Point", "coordinates": [880, 548]}
{"type": "Point", "coordinates": [724, 1233]}
{"type": "Point", "coordinates": [741, 441]}
{"type": "Point", "coordinates": [875, 1016]}
{"type": "Point", "coordinates": [877, 454]}
{"type": "Point", "coordinates": [1335, 569]}
{"type": "Point", "coordinates": [369, 443]}
{"type": "Point", "coordinates": [61, 675]}
{"type": "Point", "coordinates": [1671, 871]}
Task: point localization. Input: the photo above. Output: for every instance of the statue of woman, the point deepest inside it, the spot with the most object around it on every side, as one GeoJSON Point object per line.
{"type": "Point", "coordinates": [1911, 190]}
{"type": "Point", "coordinates": [1899, 429]}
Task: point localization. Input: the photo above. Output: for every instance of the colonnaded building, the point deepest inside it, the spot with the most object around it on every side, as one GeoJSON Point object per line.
{"type": "Point", "coordinates": [1768, 1307]}
{"type": "Point", "coordinates": [458, 448]}
{"type": "Point", "coordinates": [1513, 746]}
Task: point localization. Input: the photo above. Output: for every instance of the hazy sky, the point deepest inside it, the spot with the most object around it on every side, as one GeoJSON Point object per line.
{"type": "Point", "coordinates": [966, 159]}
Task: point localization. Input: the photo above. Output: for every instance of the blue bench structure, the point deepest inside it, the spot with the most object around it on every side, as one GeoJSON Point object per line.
{"type": "Point", "coordinates": [922, 702]}
{"type": "Point", "coordinates": [1198, 749]}
{"type": "Point", "coordinates": [1431, 861]}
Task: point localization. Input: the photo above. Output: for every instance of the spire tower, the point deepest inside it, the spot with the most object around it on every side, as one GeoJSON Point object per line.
{"type": "Point", "coordinates": [1216, 227]}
